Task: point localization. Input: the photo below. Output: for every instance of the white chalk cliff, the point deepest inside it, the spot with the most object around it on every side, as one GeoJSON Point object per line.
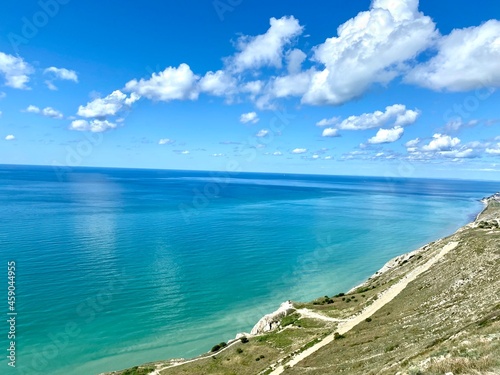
{"type": "Point", "coordinates": [272, 321]}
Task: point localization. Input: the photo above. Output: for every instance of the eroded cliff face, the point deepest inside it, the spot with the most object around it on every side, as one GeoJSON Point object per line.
{"type": "Point", "coordinates": [270, 322]}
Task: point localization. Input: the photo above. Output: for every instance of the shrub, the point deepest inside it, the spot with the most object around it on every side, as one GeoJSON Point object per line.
{"type": "Point", "coordinates": [239, 350]}
{"type": "Point", "coordinates": [338, 336]}
{"type": "Point", "coordinates": [339, 295]}
{"type": "Point", "coordinates": [244, 339]}
{"type": "Point", "coordinates": [216, 348]}
{"type": "Point", "coordinates": [368, 320]}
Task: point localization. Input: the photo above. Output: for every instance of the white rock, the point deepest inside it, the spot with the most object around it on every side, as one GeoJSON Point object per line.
{"type": "Point", "coordinates": [272, 321]}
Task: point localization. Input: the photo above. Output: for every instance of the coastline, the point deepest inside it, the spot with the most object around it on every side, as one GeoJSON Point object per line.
{"type": "Point", "coordinates": [272, 320]}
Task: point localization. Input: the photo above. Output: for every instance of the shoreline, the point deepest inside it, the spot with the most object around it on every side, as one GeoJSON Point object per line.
{"type": "Point", "coordinates": [279, 313]}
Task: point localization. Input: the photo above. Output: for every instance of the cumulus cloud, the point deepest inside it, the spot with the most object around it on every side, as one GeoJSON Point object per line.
{"type": "Point", "coordinates": [299, 151]}
{"type": "Point", "coordinates": [59, 74]}
{"type": "Point", "coordinates": [441, 142]}
{"type": "Point", "coordinates": [47, 112]}
{"type": "Point", "coordinates": [219, 83]}
{"type": "Point", "coordinates": [165, 141]}
{"type": "Point", "coordinates": [107, 106]}
{"type": "Point", "coordinates": [387, 135]}
{"type": "Point", "coordinates": [10, 137]}
{"type": "Point", "coordinates": [328, 121]}
{"type": "Point", "coordinates": [172, 84]}
{"type": "Point", "coordinates": [262, 133]}
{"type": "Point", "coordinates": [330, 132]}
{"type": "Point", "coordinates": [94, 126]}
{"type": "Point", "coordinates": [250, 117]}
{"type": "Point", "coordinates": [396, 114]}
{"type": "Point", "coordinates": [15, 71]}
{"type": "Point", "coordinates": [494, 150]}
{"type": "Point", "coordinates": [370, 48]}
{"type": "Point", "coordinates": [467, 59]}
{"type": "Point", "coordinates": [412, 143]}
{"type": "Point", "coordinates": [294, 60]}
{"type": "Point", "coordinates": [266, 49]}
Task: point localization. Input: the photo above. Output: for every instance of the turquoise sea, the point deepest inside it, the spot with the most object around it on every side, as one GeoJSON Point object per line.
{"type": "Point", "coordinates": [119, 267]}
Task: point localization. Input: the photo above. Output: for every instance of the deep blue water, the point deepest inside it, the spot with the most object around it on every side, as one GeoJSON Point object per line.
{"type": "Point", "coordinates": [118, 267]}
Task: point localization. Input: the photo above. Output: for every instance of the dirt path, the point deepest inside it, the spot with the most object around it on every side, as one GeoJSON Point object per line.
{"type": "Point", "coordinates": [306, 313]}
{"type": "Point", "coordinates": [384, 298]}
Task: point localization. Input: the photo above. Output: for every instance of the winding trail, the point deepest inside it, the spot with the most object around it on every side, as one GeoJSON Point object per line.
{"type": "Point", "coordinates": [384, 298]}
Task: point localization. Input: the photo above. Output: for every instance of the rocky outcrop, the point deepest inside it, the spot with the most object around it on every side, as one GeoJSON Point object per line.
{"type": "Point", "coordinates": [272, 321]}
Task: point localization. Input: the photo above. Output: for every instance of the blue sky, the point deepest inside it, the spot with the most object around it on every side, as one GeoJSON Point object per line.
{"type": "Point", "coordinates": [389, 88]}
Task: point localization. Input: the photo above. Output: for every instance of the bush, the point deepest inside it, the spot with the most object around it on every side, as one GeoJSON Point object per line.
{"type": "Point", "coordinates": [368, 320]}
{"type": "Point", "coordinates": [239, 350]}
{"type": "Point", "coordinates": [338, 336]}
{"type": "Point", "coordinates": [244, 339]}
{"type": "Point", "coordinates": [218, 347]}
{"type": "Point", "coordinates": [339, 295]}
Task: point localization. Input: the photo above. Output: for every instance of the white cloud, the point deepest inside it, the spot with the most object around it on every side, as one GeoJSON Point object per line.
{"type": "Point", "coordinates": [10, 137]}
{"type": "Point", "coordinates": [387, 135]}
{"type": "Point", "coordinates": [441, 142]}
{"type": "Point", "coordinates": [62, 73]}
{"type": "Point", "coordinates": [94, 126]}
{"type": "Point", "coordinates": [466, 153]}
{"type": "Point", "coordinates": [277, 153]}
{"type": "Point", "coordinates": [185, 152]}
{"type": "Point", "coordinates": [165, 141]}
{"type": "Point", "coordinates": [290, 85]}
{"type": "Point", "coordinates": [467, 59]}
{"type": "Point", "coordinates": [171, 84]}
{"type": "Point", "coordinates": [299, 151]}
{"type": "Point", "coordinates": [32, 109]}
{"type": "Point", "coordinates": [252, 87]}
{"type": "Point", "coordinates": [265, 49]}
{"type": "Point", "coordinates": [108, 106]}
{"type": "Point", "coordinates": [251, 117]}
{"type": "Point", "coordinates": [218, 83]}
{"type": "Point", "coordinates": [328, 157]}
{"type": "Point", "coordinates": [372, 47]}
{"type": "Point", "coordinates": [262, 133]}
{"type": "Point", "coordinates": [397, 113]}
{"type": "Point", "coordinates": [59, 74]}
{"type": "Point", "coordinates": [412, 143]}
{"type": "Point", "coordinates": [15, 70]}
{"type": "Point", "coordinates": [218, 155]}
{"type": "Point", "coordinates": [494, 151]}
{"type": "Point", "coordinates": [328, 121]}
{"type": "Point", "coordinates": [47, 111]}
{"type": "Point", "coordinates": [294, 60]}
{"type": "Point", "coordinates": [458, 123]}
{"type": "Point", "coordinates": [330, 132]}
{"type": "Point", "coordinates": [51, 112]}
